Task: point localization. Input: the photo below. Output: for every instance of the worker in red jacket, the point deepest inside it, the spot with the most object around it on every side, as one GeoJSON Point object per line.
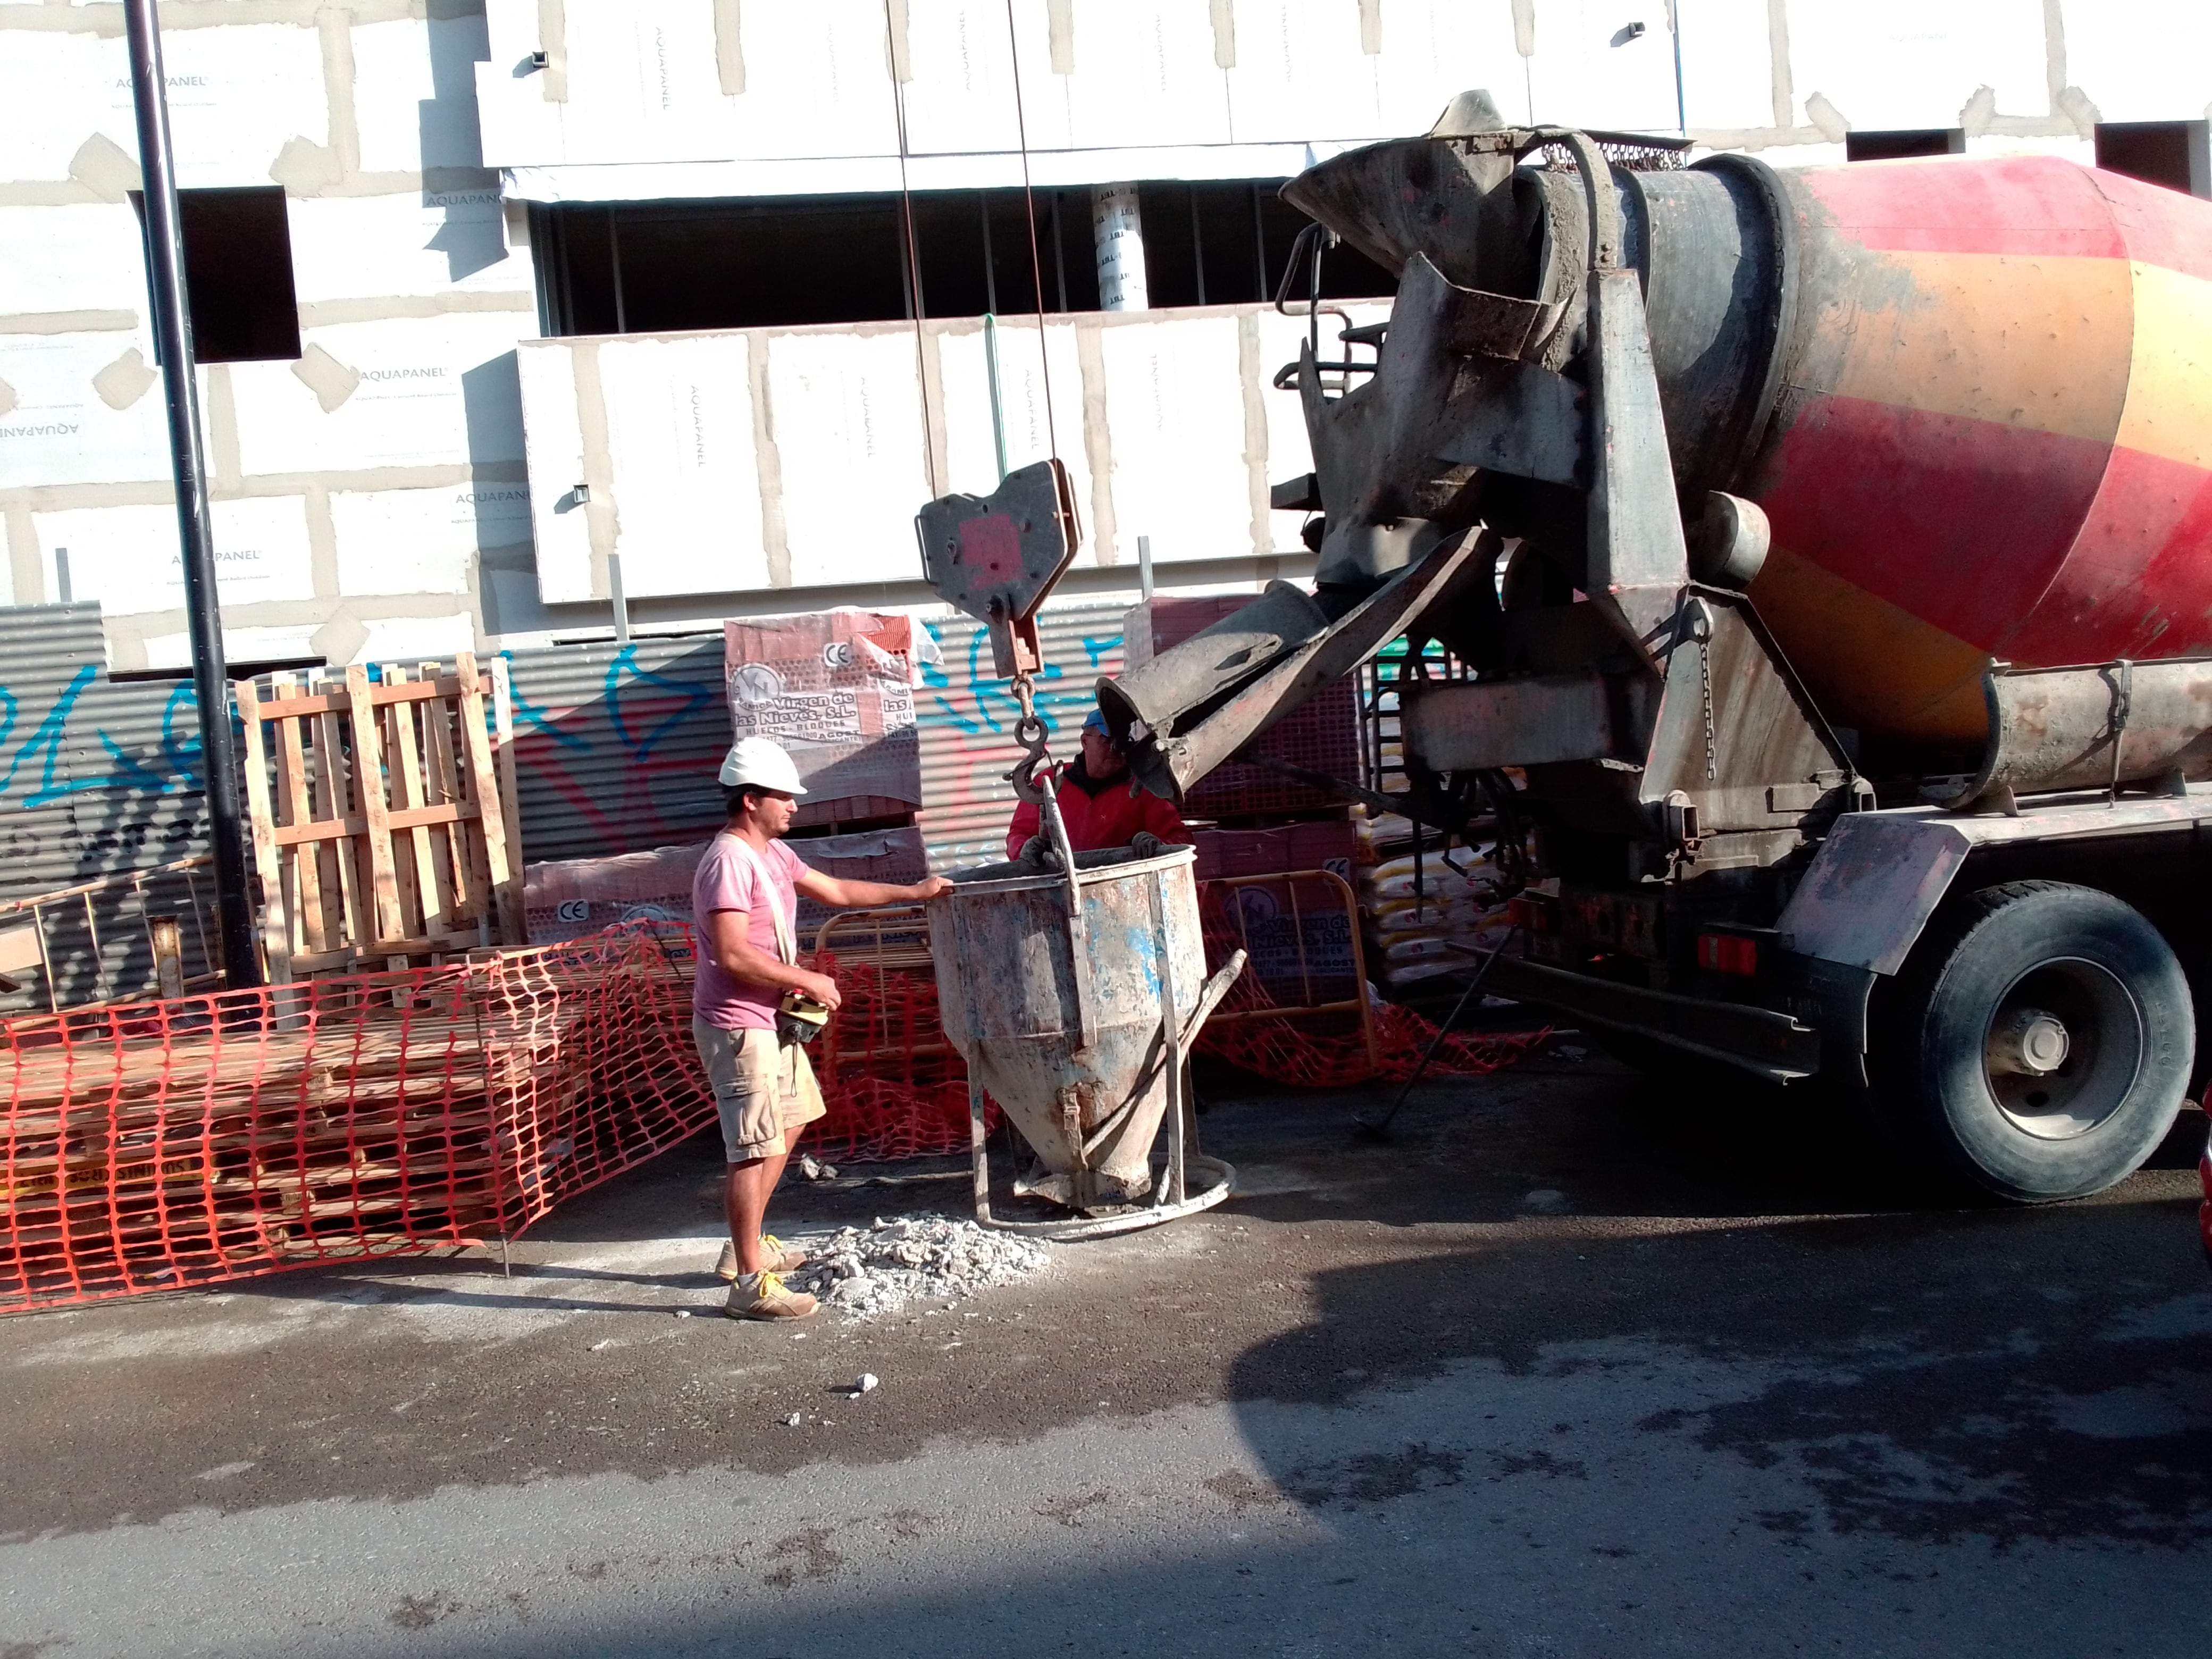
{"type": "Point", "coordinates": [1097, 803]}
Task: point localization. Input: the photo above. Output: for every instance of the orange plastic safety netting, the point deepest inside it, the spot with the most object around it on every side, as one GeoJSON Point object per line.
{"type": "Point", "coordinates": [159, 1145]}
{"type": "Point", "coordinates": [1302, 1013]}
{"type": "Point", "coordinates": [892, 1085]}
{"type": "Point", "coordinates": [155, 1145]}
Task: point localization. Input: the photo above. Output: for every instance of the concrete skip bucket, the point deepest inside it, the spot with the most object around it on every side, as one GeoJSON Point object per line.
{"type": "Point", "coordinates": [1074, 996]}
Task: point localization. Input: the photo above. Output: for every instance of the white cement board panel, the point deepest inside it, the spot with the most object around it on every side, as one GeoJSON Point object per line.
{"type": "Point", "coordinates": [237, 94]}
{"type": "Point", "coordinates": [1579, 76]}
{"type": "Point", "coordinates": [129, 557]}
{"type": "Point", "coordinates": [517, 125]}
{"type": "Point", "coordinates": [643, 84]}
{"type": "Point", "coordinates": [1175, 408]}
{"type": "Point", "coordinates": [60, 431]}
{"type": "Point", "coordinates": [414, 93]}
{"type": "Point", "coordinates": [417, 639]}
{"type": "Point", "coordinates": [511, 32]}
{"type": "Point", "coordinates": [1727, 63]}
{"type": "Point", "coordinates": [411, 243]}
{"type": "Point", "coordinates": [240, 646]}
{"type": "Point", "coordinates": [1434, 50]}
{"type": "Point", "coordinates": [1300, 73]}
{"type": "Point", "coordinates": [1892, 64]}
{"type": "Point", "coordinates": [971, 457]}
{"type": "Point", "coordinates": [686, 468]}
{"type": "Point", "coordinates": [962, 96]}
{"type": "Point", "coordinates": [422, 541]}
{"type": "Point", "coordinates": [79, 257]}
{"type": "Point", "coordinates": [2149, 61]}
{"type": "Point", "coordinates": [817, 82]}
{"type": "Point", "coordinates": [431, 392]}
{"type": "Point", "coordinates": [555, 443]}
{"type": "Point", "coordinates": [53, 90]}
{"type": "Point", "coordinates": [1144, 72]}
{"type": "Point", "coordinates": [846, 410]}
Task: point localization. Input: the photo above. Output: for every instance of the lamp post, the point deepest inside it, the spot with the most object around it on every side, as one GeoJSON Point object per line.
{"type": "Point", "coordinates": [172, 330]}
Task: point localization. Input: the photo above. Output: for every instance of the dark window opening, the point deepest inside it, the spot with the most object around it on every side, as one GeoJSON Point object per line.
{"type": "Point", "coordinates": [1906, 142]}
{"type": "Point", "coordinates": [237, 274]}
{"type": "Point", "coordinates": [234, 668]}
{"type": "Point", "coordinates": [2175, 153]}
{"type": "Point", "coordinates": [657, 267]}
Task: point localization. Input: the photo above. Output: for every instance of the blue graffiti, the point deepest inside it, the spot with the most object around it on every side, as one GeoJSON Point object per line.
{"type": "Point", "coordinates": [985, 703]}
{"type": "Point", "coordinates": [180, 735]}
{"type": "Point", "coordinates": [696, 696]}
{"type": "Point", "coordinates": [46, 766]}
{"type": "Point", "coordinates": [536, 716]}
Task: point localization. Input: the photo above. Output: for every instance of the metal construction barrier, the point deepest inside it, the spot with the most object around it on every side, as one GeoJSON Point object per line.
{"type": "Point", "coordinates": [1300, 931]}
{"type": "Point", "coordinates": [893, 1086]}
{"type": "Point", "coordinates": [1308, 972]}
{"type": "Point", "coordinates": [26, 944]}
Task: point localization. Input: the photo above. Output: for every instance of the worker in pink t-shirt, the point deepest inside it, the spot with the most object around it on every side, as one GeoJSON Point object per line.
{"type": "Point", "coordinates": [745, 906]}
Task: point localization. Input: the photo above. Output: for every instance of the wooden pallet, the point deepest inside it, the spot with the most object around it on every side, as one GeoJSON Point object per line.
{"type": "Point", "coordinates": [383, 817]}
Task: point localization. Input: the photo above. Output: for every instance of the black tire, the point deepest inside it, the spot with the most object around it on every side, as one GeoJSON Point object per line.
{"type": "Point", "coordinates": [1950, 1083]}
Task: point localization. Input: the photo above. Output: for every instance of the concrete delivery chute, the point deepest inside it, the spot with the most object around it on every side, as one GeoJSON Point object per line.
{"type": "Point", "coordinates": [1757, 523]}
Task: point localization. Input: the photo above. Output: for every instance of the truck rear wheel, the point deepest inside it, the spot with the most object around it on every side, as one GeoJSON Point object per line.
{"type": "Point", "coordinates": [2039, 1041]}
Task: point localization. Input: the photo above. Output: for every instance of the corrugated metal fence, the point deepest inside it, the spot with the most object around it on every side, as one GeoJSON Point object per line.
{"type": "Point", "coordinates": [967, 720]}
{"type": "Point", "coordinates": [94, 777]}
{"type": "Point", "coordinates": [617, 746]}
{"type": "Point", "coordinates": [616, 750]}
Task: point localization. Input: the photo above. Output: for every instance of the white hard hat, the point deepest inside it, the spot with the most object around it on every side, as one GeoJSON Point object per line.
{"type": "Point", "coordinates": [762, 764]}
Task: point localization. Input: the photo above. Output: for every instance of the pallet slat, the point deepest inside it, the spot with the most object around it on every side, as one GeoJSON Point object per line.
{"type": "Point", "coordinates": [381, 817]}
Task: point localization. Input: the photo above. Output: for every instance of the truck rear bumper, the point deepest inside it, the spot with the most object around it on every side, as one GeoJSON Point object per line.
{"type": "Point", "coordinates": [1759, 1041]}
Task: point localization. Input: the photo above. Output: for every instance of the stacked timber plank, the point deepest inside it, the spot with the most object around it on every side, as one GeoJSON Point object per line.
{"type": "Point", "coordinates": [383, 822]}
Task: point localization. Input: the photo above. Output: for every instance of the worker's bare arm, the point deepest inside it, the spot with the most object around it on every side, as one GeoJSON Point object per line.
{"type": "Point", "coordinates": [843, 895]}
{"type": "Point", "coordinates": [737, 956]}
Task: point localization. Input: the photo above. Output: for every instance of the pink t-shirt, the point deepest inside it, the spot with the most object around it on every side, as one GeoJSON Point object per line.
{"type": "Point", "coordinates": [728, 880]}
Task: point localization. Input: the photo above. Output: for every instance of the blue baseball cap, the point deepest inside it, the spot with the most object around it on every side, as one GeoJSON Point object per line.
{"type": "Point", "coordinates": [1096, 722]}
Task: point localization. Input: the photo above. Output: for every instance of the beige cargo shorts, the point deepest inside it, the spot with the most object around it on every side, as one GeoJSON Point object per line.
{"type": "Point", "coordinates": [765, 1092]}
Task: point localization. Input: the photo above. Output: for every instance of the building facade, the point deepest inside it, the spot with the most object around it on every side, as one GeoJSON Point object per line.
{"type": "Point", "coordinates": [498, 300]}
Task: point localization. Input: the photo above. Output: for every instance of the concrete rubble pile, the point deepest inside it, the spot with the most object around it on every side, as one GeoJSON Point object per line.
{"type": "Point", "coordinates": [871, 1271]}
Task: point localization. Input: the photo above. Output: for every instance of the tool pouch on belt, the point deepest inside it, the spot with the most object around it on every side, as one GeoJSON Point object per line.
{"type": "Point", "coordinates": [799, 1018]}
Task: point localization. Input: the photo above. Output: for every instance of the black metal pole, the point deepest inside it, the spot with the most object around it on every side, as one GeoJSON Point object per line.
{"type": "Point", "coordinates": [173, 328]}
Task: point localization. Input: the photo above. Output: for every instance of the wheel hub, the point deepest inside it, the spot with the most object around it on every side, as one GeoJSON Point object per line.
{"type": "Point", "coordinates": [2030, 1043]}
{"type": "Point", "coordinates": [2063, 1048]}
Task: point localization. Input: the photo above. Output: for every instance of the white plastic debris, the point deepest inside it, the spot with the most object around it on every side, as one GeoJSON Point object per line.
{"type": "Point", "coordinates": [814, 1169]}
{"type": "Point", "coordinates": [871, 1271]}
{"type": "Point", "coordinates": [792, 1421]}
{"type": "Point", "coordinates": [683, 1313]}
{"type": "Point", "coordinates": [867, 1384]}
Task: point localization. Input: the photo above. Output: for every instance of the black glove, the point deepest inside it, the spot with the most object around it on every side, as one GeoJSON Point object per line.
{"type": "Point", "coordinates": [1147, 845]}
{"type": "Point", "coordinates": [1037, 853]}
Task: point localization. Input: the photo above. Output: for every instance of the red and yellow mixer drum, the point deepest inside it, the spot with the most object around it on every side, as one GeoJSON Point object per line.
{"type": "Point", "coordinates": [1992, 435]}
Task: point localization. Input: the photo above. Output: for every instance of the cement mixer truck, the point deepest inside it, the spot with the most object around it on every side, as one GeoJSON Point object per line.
{"type": "Point", "coordinates": [1830, 557]}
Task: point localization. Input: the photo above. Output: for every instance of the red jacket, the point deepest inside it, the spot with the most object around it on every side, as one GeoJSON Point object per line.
{"type": "Point", "coordinates": [1099, 814]}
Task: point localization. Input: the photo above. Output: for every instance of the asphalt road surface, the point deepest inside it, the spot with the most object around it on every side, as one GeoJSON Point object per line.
{"type": "Point", "coordinates": [1737, 1391]}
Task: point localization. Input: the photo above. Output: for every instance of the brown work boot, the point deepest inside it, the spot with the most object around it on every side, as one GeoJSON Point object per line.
{"type": "Point", "coordinates": [762, 1295]}
{"type": "Point", "coordinates": [775, 1255]}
